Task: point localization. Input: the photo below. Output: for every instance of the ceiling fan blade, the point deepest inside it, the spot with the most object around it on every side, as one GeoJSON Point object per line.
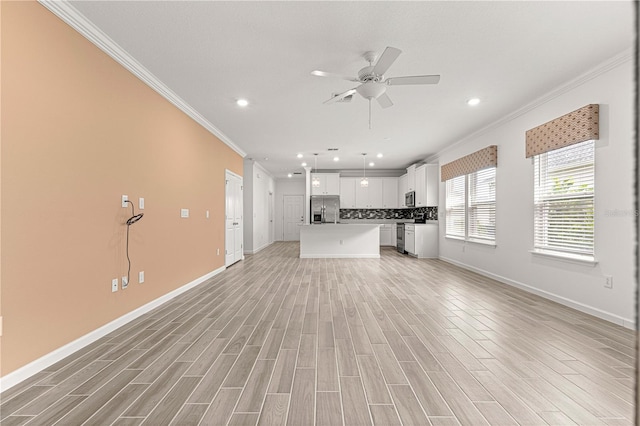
{"type": "Point", "coordinates": [416, 79]}
{"type": "Point", "coordinates": [384, 101]}
{"type": "Point", "coordinates": [387, 59]}
{"type": "Point", "coordinates": [340, 96]}
{"type": "Point", "coordinates": [318, 73]}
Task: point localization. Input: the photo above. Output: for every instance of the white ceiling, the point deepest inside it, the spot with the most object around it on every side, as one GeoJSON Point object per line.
{"type": "Point", "coordinates": [506, 53]}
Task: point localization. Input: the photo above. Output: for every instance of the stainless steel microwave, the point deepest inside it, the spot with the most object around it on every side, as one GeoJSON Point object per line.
{"type": "Point", "coordinates": [410, 199]}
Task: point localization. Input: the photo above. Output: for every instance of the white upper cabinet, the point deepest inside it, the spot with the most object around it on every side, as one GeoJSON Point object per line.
{"type": "Point", "coordinates": [402, 190]}
{"type": "Point", "coordinates": [421, 186]}
{"type": "Point", "coordinates": [329, 184]}
{"type": "Point", "coordinates": [375, 193]}
{"type": "Point", "coordinates": [433, 184]}
{"type": "Point", "coordinates": [427, 185]}
{"type": "Point", "coordinates": [369, 197]}
{"type": "Point", "coordinates": [348, 192]}
{"type": "Point", "coordinates": [390, 193]}
{"type": "Point", "coordinates": [411, 178]}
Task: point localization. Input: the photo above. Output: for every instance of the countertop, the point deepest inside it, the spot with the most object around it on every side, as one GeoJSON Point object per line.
{"type": "Point", "coordinates": [382, 221]}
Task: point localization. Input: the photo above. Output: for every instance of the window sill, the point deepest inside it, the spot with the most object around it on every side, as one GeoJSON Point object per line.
{"type": "Point", "coordinates": [566, 257]}
{"type": "Point", "coordinates": [479, 242]}
{"type": "Point", "coordinates": [483, 243]}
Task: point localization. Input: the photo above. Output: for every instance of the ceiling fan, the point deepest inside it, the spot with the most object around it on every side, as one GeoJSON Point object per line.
{"type": "Point", "coordinates": [373, 85]}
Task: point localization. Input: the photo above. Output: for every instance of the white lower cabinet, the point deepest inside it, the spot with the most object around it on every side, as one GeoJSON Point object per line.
{"type": "Point", "coordinates": [421, 239]}
{"type": "Point", "coordinates": [410, 239]}
{"type": "Point", "coordinates": [388, 234]}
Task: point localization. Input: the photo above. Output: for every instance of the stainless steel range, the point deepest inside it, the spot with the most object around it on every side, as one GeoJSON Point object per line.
{"type": "Point", "coordinates": [400, 238]}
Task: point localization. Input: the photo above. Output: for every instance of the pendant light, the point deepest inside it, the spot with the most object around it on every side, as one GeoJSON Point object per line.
{"type": "Point", "coordinates": [315, 182]}
{"type": "Point", "coordinates": [364, 182]}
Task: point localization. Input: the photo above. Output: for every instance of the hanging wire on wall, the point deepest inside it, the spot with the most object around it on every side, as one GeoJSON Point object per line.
{"type": "Point", "coordinates": [133, 219]}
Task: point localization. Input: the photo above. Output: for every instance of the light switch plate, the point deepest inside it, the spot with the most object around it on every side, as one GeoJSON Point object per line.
{"type": "Point", "coordinates": [140, 277]}
{"type": "Point", "coordinates": [184, 212]}
{"type": "Point", "coordinates": [114, 285]}
{"type": "Point", "coordinates": [141, 203]}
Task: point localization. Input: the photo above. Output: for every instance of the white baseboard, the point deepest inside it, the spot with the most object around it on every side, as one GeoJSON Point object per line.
{"type": "Point", "coordinates": [607, 316]}
{"type": "Point", "coordinates": [258, 249]}
{"type": "Point", "coordinates": [339, 256]}
{"type": "Point", "coordinates": [51, 358]}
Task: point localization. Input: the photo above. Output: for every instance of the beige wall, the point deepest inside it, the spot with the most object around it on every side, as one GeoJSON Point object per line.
{"type": "Point", "coordinates": [78, 131]}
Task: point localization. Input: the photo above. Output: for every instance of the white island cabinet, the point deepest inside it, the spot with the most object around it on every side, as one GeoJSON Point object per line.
{"type": "Point", "coordinates": [348, 240]}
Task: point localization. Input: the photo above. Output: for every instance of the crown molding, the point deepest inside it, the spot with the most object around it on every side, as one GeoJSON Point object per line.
{"type": "Point", "coordinates": [76, 20]}
{"type": "Point", "coordinates": [606, 66]}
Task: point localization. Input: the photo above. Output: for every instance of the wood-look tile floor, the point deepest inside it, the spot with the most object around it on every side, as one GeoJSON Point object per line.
{"type": "Point", "coordinates": [278, 340]}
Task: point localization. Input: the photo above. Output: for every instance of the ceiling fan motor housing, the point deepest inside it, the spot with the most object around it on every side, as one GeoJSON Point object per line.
{"type": "Point", "coordinates": [371, 90]}
{"type": "Point", "coordinates": [367, 74]}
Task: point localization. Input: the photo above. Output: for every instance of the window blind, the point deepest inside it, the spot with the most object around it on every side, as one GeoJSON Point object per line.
{"type": "Point", "coordinates": [564, 200]}
{"type": "Point", "coordinates": [455, 207]}
{"type": "Point", "coordinates": [482, 205]}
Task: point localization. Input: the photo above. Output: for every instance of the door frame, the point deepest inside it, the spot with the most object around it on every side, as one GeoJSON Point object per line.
{"type": "Point", "coordinates": [228, 175]}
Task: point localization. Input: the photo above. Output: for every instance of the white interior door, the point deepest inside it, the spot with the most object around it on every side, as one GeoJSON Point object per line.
{"type": "Point", "coordinates": [233, 218]}
{"type": "Point", "coordinates": [271, 224]}
{"type": "Point", "coordinates": [293, 216]}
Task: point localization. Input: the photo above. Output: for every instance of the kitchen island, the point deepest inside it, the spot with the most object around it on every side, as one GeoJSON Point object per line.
{"type": "Point", "coordinates": [340, 240]}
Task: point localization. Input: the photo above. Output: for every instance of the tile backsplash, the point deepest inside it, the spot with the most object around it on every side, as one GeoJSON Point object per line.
{"type": "Point", "coordinates": [430, 212]}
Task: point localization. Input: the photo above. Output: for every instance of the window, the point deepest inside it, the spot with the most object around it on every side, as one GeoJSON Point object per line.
{"type": "Point", "coordinates": [471, 206]}
{"type": "Point", "coordinates": [455, 207]}
{"type": "Point", "coordinates": [564, 201]}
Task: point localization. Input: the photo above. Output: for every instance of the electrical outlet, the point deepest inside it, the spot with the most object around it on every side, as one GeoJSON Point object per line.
{"type": "Point", "coordinates": [125, 282]}
{"type": "Point", "coordinates": [608, 281]}
{"type": "Point", "coordinates": [218, 252]}
{"type": "Point", "coordinates": [114, 285]}
{"type": "Point", "coordinates": [125, 198]}
{"type": "Point", "coordinates": [184, 213]}
{"type": "Point", "coordinates": [207, 214]}
{"type": "Point", "coordinates": [141, 203]}
{"type": "Point", "coordinates": [140, 277]}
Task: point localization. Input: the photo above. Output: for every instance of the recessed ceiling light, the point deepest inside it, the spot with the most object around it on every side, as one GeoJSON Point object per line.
{"type": "Point", "coordinates": [289, 175]}
{"type": "Point", "coordinates": [371, 164]}
{"type": "Point", "coordinates": [336, 159]}
{"type": "Point", "coordinates": [242, 102]}
{"type": "Point", "coordinates": [379, 155]}
{"type": "Point", "coordinates": [299, 155]}
{"type": "Point", "coordinates": [303, 164]}
{"type": "Point", "coordinates": [473, 101]}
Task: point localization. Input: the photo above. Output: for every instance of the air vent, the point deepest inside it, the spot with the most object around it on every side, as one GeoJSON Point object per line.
{"type": "Point", "coordinates": [297, 173]}
{"type": "Point", "coordinates": [332, 149]}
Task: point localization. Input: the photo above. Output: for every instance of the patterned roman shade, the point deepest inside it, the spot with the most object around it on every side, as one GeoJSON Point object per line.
{"type": "Point", "coordinates": [577, 126]}
{"type": "Point", "coordinates": [485, 158]}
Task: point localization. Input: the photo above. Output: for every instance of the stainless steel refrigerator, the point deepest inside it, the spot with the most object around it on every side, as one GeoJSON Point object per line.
{"type": "Point", "coordinates": [325, 209]}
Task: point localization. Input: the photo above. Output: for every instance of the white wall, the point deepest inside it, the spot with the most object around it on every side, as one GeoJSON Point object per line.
{"type": "Point", "coordinates": [577, 285]}
{"type": "Point", "coordinates": [258, 183]}
{"type": "Point", "coordinates": [285, 187]}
